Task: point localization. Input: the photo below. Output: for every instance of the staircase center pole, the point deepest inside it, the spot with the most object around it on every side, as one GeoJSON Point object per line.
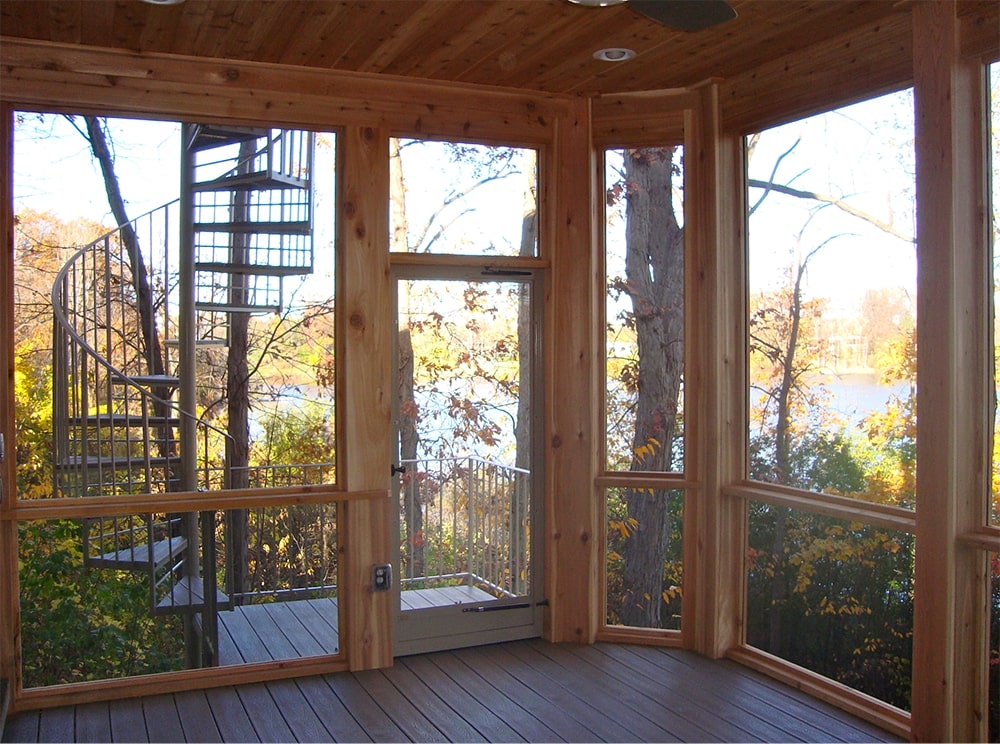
{"type": "Point", "coordinates": [187, 337]}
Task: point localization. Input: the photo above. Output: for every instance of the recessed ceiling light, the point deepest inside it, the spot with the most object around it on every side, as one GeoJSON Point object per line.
{"type": "Point", "coordinates": [163, 2]}
{"type": "Point", "coordinates": [614, 54]}
{"type": "Point", "coordinates": [597, 3]}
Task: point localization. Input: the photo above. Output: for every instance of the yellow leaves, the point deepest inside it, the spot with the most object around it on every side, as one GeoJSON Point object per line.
{"type": "Point", "coordinates": [624, 527]}
{"type": "Point", "coordinates": [647, 450]}
{"type": "Point", "coordinates": [850, 606]}
{"type": "Point", "coordinates": [674, 592]}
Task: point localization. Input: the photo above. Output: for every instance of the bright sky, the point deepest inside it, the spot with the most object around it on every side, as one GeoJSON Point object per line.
{"type": "Point", "coordinates": [55, 171]}
{"type": "Point", "coordinates": [862, 154]}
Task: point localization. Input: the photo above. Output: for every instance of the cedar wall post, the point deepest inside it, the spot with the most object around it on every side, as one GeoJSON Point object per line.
{"type": "Point", "coordinates": [953, 383]}
{"type": "Point", "coordinates": [363, 279]}
{"type": "Point", "coordinates": [572, 537]}
{"type": "Point", "coordinates": [9, 629]}
{"type": "Point", "coordinates": [715, 377]}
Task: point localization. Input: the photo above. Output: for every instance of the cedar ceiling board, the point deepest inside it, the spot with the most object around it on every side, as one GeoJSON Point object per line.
{"type": "Point", "coordinates": [159, 26]}
{"type": "Point", "coordinates": [128, 21]}
{"type": "Point", "coordinates": [879, 61]}
{"type": "Point", "coordinates": [500, 51]}
{"type": "Point", "coordinates": [727, 52]}
{"type": "Point", "coordinates": [981, 30]}
{"type": "Point", "coordinates": [486, 35]}
{"type": "Point", "coordinates": [574, 60]}
{"type": "Point", "coordinates": [574, 36]}
{"type": "Point", "coordinates": [367, 27]}
{"type": "Point", "coordinates": [273, 30]}
{"type": "Point", "coordinates": [539, 45]}
{"type": "Point", "coordinates": [429, 27]}
{"type": "Point", "coordinates": [324, 44]}
{"type": "Point", "coordinates": [66, 23]}
{"type": "Point", "coordinates": [177, 26]}
{"type": "Point", "coordinates": [219, 30]}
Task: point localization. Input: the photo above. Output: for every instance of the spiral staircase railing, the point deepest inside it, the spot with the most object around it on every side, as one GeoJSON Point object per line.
{"type": "Point", "coordinates": [115, 424]}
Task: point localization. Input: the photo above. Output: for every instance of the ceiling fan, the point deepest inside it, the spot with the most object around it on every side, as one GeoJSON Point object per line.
{"type": "Point", "coordinates": [687, 15]}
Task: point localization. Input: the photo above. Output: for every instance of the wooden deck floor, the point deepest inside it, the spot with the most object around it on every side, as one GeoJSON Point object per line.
{"type": "Point", "coordinates": [292, 630]}
{"type": "Point", "coordinates": [520, 691]}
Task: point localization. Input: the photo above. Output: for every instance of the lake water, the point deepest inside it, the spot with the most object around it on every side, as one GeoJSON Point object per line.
{"type": "Point", "coordinates": [857, 395]}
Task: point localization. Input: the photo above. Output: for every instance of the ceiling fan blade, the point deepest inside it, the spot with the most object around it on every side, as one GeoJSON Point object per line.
{"type": "Point", "coordinates": [687, 15]}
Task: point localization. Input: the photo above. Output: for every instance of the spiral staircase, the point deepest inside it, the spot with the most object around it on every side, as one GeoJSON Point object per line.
{"type": "Point", "coordinates": [131, 309]}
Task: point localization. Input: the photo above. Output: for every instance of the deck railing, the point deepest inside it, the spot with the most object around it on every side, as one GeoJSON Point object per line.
{"type": "Point", "coordinates": [473, 527]}
{"type": "Point", "coordinates": [465, 521]}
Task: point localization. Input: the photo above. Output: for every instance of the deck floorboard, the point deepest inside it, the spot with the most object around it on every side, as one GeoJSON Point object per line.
{"type": "Point", "coordinates": [366, 711]}
{"type": "Point", "coordinates": [163, 722]}
{"type": "Point", "coordinates": [230, 716]}
{"type": "Point", "coordinates": [525, 726]}
{"type": "Point", "coordinates": [602, 722]}
{"type": "Point", "coordinates": [515, 691]}
{"type": "Point", "coordinates": [647, 720]}
{"type": "Point", "coordinates": [447, 720]}
{"type": "Point", "coordinates": [489, 725]}
{"type": "Point", "coordinates": [331, 711]}
{"type": "Point", "coordinates": [289, 697]}
{"type": "Point", "coordinates": [127, 722]}
{"type": "Point", "coordinates": [406, 714]}
{"type": "Point", "coordinates": [197, 717]}
{"type": "Point", "coordinates": [267, 720]}
{"type": "Point", "coordinates": [58, 725]}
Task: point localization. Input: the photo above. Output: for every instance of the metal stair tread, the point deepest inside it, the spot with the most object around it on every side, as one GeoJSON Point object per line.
{"type": "Point", "coordinates": [149, 380]}
{"type": "Point", "coordinates": [256, 181]}
{"type": "Point", "coordinates": [137, 558]}
{"type": "Point", "coordinates": [231, 308]}
{"type": "Point", "coordinates": [210, 136]}
{"type": "Point", "coordinates": [123, 419]}
{"type": "Point", "coordinates": [296, 227]}
{"type": "Point", "coordinates": [122, 461]}
{"type": "Point", "coordinates": [172, 342]}
{"type": "Point", "coordinates": [255, 269]}
{"type": "Point", "coordinates": [188, 595]}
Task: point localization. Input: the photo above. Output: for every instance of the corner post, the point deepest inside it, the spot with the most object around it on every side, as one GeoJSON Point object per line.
{"type": "Point", "coordinates": [950, 629]}
{"type": "Point", "coordinates": [363, 313]}
{"type": "Point", "coordinates": [573, 524]}
{"type": "Point", "coordinates": [715, 377]}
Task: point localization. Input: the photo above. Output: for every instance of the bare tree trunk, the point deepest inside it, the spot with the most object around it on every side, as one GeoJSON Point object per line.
{"type": "Point", "coordinates": [782, 462]}
{"type": "Point", "coordinates": [520, 505]}
{"type": "Point", "coordinates": [654, 268]}
{"type": "Point", "coordinates": [529, 238]}
{"type": "Point", "coordinates": [152, 351]}
{"type": "Point", "coordinates": [413, 507]}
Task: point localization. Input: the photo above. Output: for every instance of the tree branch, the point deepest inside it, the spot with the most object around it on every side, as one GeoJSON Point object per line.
{"type": "Point", "coordinates": [833, 201]}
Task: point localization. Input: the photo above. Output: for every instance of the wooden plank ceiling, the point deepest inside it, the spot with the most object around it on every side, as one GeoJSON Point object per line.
{"type": "Point", "coordinates": [543, 45]}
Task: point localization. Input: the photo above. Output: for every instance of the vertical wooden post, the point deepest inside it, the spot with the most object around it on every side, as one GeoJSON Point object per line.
{"type": "Point", "coordinates": [715, 377]}
{"type": "Point", "coordinates": [572, 374]}
{"type": "Point", "coordinates": [953, 383]}
{"type": "Point", "coordinates": [9, 617]}
{"type": "Point", "coordinates": [366, 391]}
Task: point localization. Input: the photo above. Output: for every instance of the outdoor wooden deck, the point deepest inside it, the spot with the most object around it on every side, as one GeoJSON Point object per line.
{"type": "Point", "coordinates": [292, 630]}
{"type": "Point", "coordinates": [519, 691]}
